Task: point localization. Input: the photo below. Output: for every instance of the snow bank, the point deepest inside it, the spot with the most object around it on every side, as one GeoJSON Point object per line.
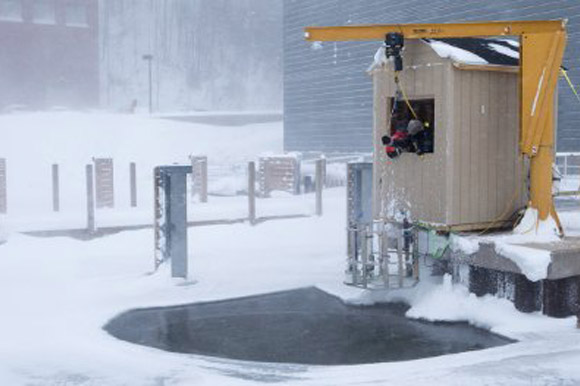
{"type": "Point", "coordinates": [571, 222]}
{"type": "Point", "coordinates": [454, 303]}
{"type": "Point", "coordinates": [228, 185]}
{"type": "Point", "coordinates": [464, 244]}
{"type": "Point", "coordinates": [532, 262]}
{"type": "Point", "coordinates": [531, 229]}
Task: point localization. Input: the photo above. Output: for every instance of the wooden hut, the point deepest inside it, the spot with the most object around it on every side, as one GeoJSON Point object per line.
{"type": "Point", "coordinates": [467, 91]}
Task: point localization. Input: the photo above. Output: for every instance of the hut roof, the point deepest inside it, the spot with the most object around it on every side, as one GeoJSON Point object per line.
{"type": "Point", "coordinates": [488, 52]}
{"type": "Point", "coordinates": [494, 51]}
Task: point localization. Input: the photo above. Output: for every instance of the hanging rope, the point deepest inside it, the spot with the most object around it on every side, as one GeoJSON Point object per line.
{"type": "Point", "coordinates": [564, 72]}
{"type": "Point", "coordinates": [405, 98]}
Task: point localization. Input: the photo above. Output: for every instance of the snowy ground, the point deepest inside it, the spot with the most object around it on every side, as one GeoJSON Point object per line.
{"type": "Point", "coordinates": [31, 143]}
{"type": "Point", "coordinates": [57, 293]}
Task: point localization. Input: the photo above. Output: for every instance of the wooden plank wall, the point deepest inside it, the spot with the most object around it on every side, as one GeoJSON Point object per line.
{"type": "Point", "coordinates": [411, 183]}
{"type": "Point", "coordinates": [485, 164]}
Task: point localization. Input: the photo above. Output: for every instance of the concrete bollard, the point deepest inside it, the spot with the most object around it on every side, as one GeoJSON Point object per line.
{"type": "Point", "coordinates": [319, 185]}
{"type": "Point", "coordinates": [252, 192]}
{"type": "Point", "coordinates": [133, 182]}
{"type": "Point", "coordinates": [55, 189]}
{"type": "Point", "coordinates": [91, 227]}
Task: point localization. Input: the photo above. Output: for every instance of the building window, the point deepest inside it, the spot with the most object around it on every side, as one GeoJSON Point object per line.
{"type": "Point", "coordinates": [76, 15]}
{"type": "Point", "coordinates": [43, 12]}
{"type": "Point", "coordinates": [411, 131]}
{"type": "Point", "coordinates": [11, 10]}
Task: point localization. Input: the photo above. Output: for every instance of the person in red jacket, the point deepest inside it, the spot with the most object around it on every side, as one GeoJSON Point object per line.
{"type": "Point", "coordinates": [400, 141]}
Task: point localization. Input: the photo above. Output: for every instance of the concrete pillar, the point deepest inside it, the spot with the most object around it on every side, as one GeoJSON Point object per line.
{"type": "Point", "coordinates": [561, 297]}
{"type": "Point", "coordinates": [527, 296]}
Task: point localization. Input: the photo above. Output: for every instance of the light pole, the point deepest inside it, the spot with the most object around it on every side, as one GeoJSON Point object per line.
{"type": "Point", "coordinates": [149, 59]}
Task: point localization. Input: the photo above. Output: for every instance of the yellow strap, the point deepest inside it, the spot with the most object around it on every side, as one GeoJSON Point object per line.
{"type": "Point", "coordinates": [565, 74]}
{"type": "Point", "coordinates": [398, 83]}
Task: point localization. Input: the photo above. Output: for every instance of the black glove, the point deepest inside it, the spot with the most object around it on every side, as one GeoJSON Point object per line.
{"type": "Point", "coordinates": [386, 140]}
{"type": "Point", "coordinates": [394, 154]}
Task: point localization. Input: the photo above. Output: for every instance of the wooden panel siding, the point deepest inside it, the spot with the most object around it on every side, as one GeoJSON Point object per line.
{"type": "Point", "coordinates": [456, 150]}
{"type": "Point", "coordinates": [412, 183]}
{"type": "Point", "coordinates": [487, 127]}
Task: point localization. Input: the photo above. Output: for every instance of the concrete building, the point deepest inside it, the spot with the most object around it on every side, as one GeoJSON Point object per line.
{"type": "Point", "coordinates": [328, 97]}
{"type": "Point", "coordinates": [49, 54]}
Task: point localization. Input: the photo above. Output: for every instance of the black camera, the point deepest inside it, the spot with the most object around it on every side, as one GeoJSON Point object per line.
{"type": "Point", "coordinates": [394, 43]}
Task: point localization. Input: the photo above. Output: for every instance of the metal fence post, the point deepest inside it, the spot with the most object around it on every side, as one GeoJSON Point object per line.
{"type": "Point", "coordinates": [319, 186]}
{"type": "Point", "coordinates": [90, 200]}
{"type": "Point", "coordinates": [364, 256]}
{"type": "Point", "coordinates": [252, 192]}
{"type": "Point", "coordinates": [323, 160]}
{"type": "Point", "coordinates": [55, 189]}
{"type": "Point", "coordinates": [203, 182]}
{"type": "Point", "coordinates": [157, 215]}
{"type": "Point", "coordinates": [133, 179]}
{"type": "Point", "coordinates": [400, 261]}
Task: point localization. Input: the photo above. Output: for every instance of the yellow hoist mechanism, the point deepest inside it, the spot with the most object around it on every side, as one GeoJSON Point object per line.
{"type": "Point", "coordinates": [542, 46]}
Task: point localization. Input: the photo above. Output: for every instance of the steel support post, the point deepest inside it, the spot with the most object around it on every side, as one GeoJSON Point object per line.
{"type": "Point", "coordinates": [55, 189]}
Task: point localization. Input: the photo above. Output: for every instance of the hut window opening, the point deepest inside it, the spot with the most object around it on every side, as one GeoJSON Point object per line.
{"type": "Point", "coordinates": [411, 131]}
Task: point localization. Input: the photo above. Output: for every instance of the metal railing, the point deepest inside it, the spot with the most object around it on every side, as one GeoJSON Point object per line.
{"type": "Point", "coordinates": [568, 164]}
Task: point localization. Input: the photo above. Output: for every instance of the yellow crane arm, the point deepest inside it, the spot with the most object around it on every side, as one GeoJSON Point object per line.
{"type": "Point", "coordinates": [542, 45]}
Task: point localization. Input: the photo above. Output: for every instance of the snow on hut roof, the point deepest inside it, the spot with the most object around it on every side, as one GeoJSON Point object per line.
{"type": "Point", "coordinates": [478, 51]}
{"type": "Point", "coordinates": [503, 52]}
